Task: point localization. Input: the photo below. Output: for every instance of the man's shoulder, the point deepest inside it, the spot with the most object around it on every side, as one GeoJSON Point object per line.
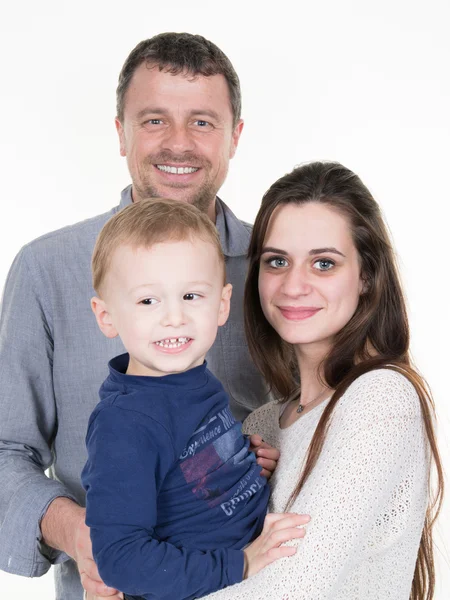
{"type": "Point", "coordinates": [80, 234]}
{"type": "Point", "coordinates": [248, 226]}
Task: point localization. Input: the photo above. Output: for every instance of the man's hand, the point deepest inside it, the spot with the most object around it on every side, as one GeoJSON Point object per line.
{"type": "Point", "coordinates": [63, 528]}
{"type": "Point", "coordinates": [266, 456]}
{"type": "Point", "coordinates": [90, 578]}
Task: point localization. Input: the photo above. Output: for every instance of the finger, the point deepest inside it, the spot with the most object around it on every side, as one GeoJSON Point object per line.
{"type": "Point", "coordinates": [272, 518]}
{"type": "Point", "coordinates": [266, 463]}
{"type": "Point", "coordinates": [268, 452]}
{"type": "Point", "coordinates": [276, 553]}
{"type": "Point", "coordinates": [89, 568]}
{"type": "Point", "coordinates": [256, 440]}
{"type": "Point", "coordinates": [96, 588]}
{"type": "Point", "coordinates": [285, 535]}
{"type": "Point", "coordinates": [278, 521]}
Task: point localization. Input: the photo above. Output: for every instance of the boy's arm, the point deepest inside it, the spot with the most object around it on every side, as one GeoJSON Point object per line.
{"type": "Point", "coordinates": [123, 476]}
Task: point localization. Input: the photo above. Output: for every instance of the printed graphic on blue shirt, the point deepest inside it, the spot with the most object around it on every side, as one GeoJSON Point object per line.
{"type": "Point", "coordinates": [217, 465]}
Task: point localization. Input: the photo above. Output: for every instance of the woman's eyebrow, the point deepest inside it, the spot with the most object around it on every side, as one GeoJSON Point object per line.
{"type": "Point", "coordinates": [274, 250]}
{"type": "Point", "coordinates": [324, 251]}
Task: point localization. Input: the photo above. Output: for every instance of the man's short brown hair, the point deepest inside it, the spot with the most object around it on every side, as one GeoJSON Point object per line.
{"type": "Point", "coordinates": [149, 222]}
{"type": "Point", "coordinates": [180, 53]}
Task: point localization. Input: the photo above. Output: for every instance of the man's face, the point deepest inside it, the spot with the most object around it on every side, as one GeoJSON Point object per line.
{"type": "Point", "coordinates": [178, 136]}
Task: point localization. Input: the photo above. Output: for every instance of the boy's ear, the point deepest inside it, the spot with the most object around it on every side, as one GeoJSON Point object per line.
{"type": "Point", "coordinates": [225, 304]}
{"type": "Point", "coordinates": [103, 317]}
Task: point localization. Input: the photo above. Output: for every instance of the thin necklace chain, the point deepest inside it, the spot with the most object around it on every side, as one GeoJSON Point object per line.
{"type": "Point", "coordinates": [301, 407]}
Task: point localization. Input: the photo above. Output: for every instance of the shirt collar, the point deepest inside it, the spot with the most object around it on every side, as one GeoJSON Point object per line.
{"type": "Point", "coordinates": [234, 234]}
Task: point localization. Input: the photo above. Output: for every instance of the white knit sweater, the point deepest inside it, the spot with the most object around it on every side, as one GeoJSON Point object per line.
{"type": "Point", "coordinates": [367, 496]}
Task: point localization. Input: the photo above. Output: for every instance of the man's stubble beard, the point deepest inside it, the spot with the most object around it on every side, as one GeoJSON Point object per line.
{"type": "Point", "coordinates": [202, 198]}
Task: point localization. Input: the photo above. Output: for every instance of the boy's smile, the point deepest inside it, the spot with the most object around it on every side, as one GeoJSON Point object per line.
{"type": "Point", "coordinates": [165, 302]}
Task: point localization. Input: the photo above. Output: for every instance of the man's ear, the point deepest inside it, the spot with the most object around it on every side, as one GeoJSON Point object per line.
{"type": "Point", "coordinates": [225, 304]}
{"type": "Point", "coordinates": [235, 137]}
{"type": "Point", "coordinates": [103, 317]}
{"type": "Point", "coordinates": [121, 134]}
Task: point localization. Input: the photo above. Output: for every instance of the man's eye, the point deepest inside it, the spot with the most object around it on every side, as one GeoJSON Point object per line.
{"type": "Point", "coordinates": [324, 264]}
{"type": "Point", "coordinates": [154, 121]}
{"type": "Point", "coordinates": [148, 301]}
{"type": "Point", "coordinates": [277, 262]}
{"type": "Point", "coordinates": [191, 296]}
{"type": "Point", "coordinates": [201, 123]}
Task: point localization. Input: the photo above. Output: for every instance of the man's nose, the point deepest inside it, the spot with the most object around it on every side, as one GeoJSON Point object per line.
{"type": "Point", "coordinates": [178, 139]}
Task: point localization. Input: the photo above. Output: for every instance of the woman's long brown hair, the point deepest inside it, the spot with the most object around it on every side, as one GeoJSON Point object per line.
{"type": "Point", "coordinates": [377, 335]}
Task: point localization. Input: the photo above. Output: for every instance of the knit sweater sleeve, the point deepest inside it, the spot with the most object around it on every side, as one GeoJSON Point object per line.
{"type": "Point", "coordinates": [367, 498]}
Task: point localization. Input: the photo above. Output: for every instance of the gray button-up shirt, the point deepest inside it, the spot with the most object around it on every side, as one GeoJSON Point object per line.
{"type": "Point", "coordinates": [53, 359]}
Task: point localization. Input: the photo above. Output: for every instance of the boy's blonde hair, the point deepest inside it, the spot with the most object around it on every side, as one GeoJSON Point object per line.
{"type": "Point", "coordinates": [150, 222]}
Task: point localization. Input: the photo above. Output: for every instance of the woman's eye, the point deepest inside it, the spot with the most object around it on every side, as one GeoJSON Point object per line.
{"type": "Point", "coordinates": [191, 296]}
{"type": "Point", "coordinates": [148, 301]}
{"type": "Point", "coordinates": [324, 264]}
{"type": "Point", "coordinates": [278, 262]}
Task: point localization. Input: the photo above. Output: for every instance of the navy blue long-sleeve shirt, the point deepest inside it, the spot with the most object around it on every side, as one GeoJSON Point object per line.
{"type": "Point", "coordinates": [173, 493]}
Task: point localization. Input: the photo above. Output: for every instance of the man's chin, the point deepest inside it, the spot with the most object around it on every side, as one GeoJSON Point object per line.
{"type": "Point", "coordinates": [202, 199]}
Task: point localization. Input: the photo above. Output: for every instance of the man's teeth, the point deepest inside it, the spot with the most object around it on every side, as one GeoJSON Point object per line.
{"type": "Point", "coordinates": [177, 170]}
{"type": "Point", "coordinates": [173, 342]}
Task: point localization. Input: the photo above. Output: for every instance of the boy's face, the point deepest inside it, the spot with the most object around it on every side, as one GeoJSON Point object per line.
{"type": "Point", "coordinates": [165, 303]}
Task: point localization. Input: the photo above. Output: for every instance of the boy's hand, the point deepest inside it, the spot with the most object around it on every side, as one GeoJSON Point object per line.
{"type": "Point", "coordinates": [267, 547]}
{"type": "Point", "coordinates": [266, 456]}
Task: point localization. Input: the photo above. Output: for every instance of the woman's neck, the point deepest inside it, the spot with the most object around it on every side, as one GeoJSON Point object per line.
{"type": "Point", "coordinates": [312, 384]}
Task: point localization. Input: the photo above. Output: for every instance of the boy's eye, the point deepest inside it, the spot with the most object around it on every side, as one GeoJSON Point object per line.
{"type": "Point", "coordinates": [323, 264]}
{"type": "Point", "coordinates": [148, 301]}
{"type": "Point", "coordinates": [191, 296]}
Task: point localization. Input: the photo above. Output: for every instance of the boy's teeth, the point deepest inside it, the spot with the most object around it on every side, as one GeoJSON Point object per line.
{"type": "Point", "coordinates": [173, 342]}
{"type": "Point", "coordinates": [176, 170]}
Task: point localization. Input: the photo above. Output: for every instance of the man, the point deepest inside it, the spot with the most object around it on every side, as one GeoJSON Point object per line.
{"type": "Point", "coordinates": [178, 120]}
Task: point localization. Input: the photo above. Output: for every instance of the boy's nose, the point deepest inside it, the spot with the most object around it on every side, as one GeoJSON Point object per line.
{"type": "Point", "coordinates": [173, 316]}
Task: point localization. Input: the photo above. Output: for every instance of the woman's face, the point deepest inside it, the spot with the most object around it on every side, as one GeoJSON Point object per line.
{"type": "Point", "coordinates": [309, 278]}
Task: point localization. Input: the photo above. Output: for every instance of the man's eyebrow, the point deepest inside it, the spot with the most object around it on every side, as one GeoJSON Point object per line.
{"type": "Point", "coordinates": [157, 110]}
{"type": "Point", "coordinates": [330, 249]}
{"type": "Point", "coordinates": [206, 113]}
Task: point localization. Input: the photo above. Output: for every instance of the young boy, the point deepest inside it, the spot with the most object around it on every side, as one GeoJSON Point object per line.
{"type": "Point", "coordinates": [173, 493]}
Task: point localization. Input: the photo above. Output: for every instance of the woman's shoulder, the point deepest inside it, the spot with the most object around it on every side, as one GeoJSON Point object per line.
{"type": "Point", "coordinates": [261, 416]}
{"type": "Point", "coordinates": [383, 391]}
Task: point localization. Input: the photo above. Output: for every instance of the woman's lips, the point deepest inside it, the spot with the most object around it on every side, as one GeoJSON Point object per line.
{"type": "Point", "coordinates": [298, 313]}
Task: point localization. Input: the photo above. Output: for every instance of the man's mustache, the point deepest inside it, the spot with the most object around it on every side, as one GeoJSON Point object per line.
{"type": "Point", "coordinates": [193, 160]}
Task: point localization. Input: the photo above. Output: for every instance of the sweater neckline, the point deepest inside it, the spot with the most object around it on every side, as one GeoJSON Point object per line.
{"type": "Point", "coordinates": [190, 379]}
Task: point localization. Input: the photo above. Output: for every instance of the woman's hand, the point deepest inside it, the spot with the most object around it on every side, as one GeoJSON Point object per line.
{"type": "Point", "coordinates": [266, 548]}
{"type": "Point", "coordinates": [266, 456]}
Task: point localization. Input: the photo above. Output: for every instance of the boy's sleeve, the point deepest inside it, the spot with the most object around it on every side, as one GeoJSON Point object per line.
{"type": "Point", "coordinates": [129, 456]}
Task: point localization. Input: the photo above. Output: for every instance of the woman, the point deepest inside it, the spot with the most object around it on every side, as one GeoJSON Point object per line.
{"type": "Point", "coordinates": [327, 326]}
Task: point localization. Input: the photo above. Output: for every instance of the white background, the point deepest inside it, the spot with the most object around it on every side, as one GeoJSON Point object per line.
{"type": "Point", "coordinates": [364, 83]}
